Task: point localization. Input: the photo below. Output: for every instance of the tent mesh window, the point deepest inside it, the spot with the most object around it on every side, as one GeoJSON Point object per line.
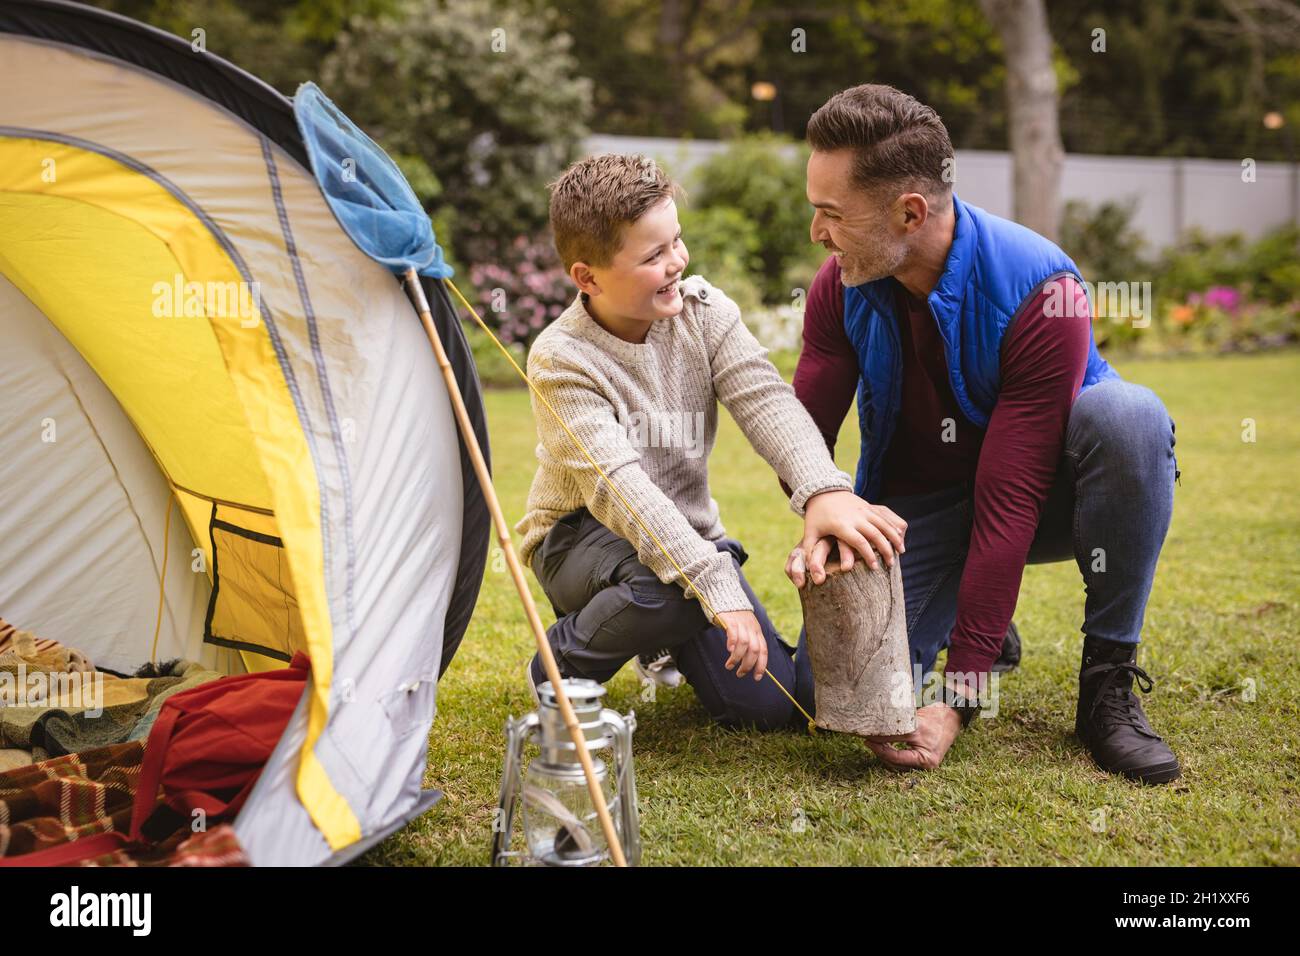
{"type": "Point", "coordinates": [252, 606]}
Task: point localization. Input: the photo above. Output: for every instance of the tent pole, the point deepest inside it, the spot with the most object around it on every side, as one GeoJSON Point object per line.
{"type": "Point", "coordinates": [416, 293]}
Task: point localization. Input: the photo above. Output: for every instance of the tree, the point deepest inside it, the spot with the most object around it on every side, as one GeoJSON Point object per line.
{"type": "Point", "coordinates": [1178, 77]}
{"type": "Point", "coordinates": [488, 97]}
{"type": "Point", "coordinates": [1037, 155]}
{"type": "Point", "coordinates": [665, 69]}
{"type": "Point", "coordinates": [281, 43]}
{"type": "Point", "coordinates": [762, 178]}
{"type": "Point", "coordinates": [687, 67]}
{"type": "Point", "coordinates": [944, 54]}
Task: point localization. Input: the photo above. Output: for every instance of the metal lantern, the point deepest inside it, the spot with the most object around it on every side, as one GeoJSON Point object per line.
{"type": "Point", "coordinates": [560, 824]}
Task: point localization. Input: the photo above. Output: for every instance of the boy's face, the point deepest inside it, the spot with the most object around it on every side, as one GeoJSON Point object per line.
{"type": "Point", "coordinates": [641, 282]}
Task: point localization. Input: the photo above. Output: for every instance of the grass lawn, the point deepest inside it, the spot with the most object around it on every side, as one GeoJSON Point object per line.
{"type": "Point", "coordinates": [1224, 617]}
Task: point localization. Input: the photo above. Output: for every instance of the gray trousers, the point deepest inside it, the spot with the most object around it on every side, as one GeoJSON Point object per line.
{"type": "Point", "coordinates": [610, 608]}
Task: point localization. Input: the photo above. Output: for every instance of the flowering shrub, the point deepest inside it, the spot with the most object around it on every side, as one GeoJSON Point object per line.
{"type": "Point", "coordinates": [1214, 293]}
{"type": "Point", "coordinates": [1221, 297]}
{"type": "Point", "coordinates": [521, 290]}
{"type": "Point", "coordinates": [760, 179]}
{"type": "Point", "coordinates": [1222, 319]}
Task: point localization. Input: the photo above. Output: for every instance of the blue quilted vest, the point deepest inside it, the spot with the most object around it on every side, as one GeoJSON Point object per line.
{"type": "Point", "coordinates": [994, 266]}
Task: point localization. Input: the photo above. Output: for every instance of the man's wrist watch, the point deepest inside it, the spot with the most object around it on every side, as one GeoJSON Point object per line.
{"type": "Point", "coordinates": [965, 707]}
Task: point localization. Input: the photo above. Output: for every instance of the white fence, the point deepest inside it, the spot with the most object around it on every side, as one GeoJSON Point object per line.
{"type": "Point", "coordinates": [1169, 195]}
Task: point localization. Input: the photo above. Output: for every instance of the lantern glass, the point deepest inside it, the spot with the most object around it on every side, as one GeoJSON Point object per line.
{"type": "Point", "coordinates": [549, 794]}
{"type": "Point", "coordinates": [560, 823]}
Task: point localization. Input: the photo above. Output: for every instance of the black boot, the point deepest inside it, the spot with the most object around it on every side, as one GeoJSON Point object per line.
{"type": "Point", "coordinates": [1009, 659]}
{"type": "Point", "coordinates": [1109, 720]}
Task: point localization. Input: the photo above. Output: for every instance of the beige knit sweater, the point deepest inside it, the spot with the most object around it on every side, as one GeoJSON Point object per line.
{"type": "Point", "coordinates": [648, 414]}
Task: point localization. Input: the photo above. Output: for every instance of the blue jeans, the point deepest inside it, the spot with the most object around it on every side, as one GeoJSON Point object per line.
{"type": "Point", "coordinates": [611, 608]}
{"type": "Point", "coordinates": [1109, 508]}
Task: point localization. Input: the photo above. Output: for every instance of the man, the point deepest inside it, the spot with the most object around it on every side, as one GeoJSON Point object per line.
{"type": "Point", "coordinates": [989, 422]}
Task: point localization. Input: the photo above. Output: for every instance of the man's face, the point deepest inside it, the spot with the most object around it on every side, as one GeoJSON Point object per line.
{"type": "Point", "coordinates": [853, 224]}
{"type": "Point", "coordinates": [642, 281]}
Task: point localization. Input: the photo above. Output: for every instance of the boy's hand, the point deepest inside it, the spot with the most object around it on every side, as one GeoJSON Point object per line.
{"type": "Point", "coordinates": [746, 643]}
{"type": "Point", "coordinates": [842, 517]}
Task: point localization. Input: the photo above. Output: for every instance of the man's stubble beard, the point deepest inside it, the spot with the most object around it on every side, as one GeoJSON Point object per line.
{"type": "Point", "coordinates": [880, 257]}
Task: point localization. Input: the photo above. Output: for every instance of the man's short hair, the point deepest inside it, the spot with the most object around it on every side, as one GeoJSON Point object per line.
{"type": "Point", "coordinates": [896, 139]}
{"type": "Point", "coordinates": [596, 198]}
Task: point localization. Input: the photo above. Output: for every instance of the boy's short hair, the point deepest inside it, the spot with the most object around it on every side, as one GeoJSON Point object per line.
{"type": "Point", "coordinates": [895, 139]}
{"type": "Point", "coordinates": [597, 197]}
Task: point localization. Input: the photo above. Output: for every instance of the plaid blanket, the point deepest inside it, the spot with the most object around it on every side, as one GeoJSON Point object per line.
{"type": "Point", "coordinates": [216, 847]}
{"type": "Point", "coordinates": [77, 796]}
{"type": "Point", "coordinates": [68, 798]}
{"type": "Point", "coordinates": [81, 710]}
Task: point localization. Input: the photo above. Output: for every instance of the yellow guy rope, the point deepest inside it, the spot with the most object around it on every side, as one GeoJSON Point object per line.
{"type": "Point", "coordinates": [162, 576]}
{"type": "Point", "coordinates": [812, 726]}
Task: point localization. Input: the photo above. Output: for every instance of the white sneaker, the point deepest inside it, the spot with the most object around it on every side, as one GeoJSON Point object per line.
{"type": "Point", "coordinates": [659, 668]}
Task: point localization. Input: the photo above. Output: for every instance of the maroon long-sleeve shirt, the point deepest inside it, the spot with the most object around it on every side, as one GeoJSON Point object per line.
{"type": "Point", "coordinates": [1012, 463]}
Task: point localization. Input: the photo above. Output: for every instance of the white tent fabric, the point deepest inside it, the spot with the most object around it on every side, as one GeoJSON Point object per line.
{"type": "Point", "coordinates": [78, 481]}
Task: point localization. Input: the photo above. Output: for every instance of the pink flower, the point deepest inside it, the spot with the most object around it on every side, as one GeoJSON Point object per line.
{"type": "Point", "coordinates": [1223, 297]}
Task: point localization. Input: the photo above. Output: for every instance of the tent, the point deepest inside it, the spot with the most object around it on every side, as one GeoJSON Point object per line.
{"type": "Point", "coordinates": [223, 436]}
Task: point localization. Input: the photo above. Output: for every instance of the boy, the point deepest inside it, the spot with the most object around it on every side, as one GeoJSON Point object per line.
{"type": "Point", "coordinates": [635, 367]}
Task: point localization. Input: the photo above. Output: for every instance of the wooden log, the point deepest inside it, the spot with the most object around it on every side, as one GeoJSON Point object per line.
{"type": "Point", "coordinates": [857, 636]}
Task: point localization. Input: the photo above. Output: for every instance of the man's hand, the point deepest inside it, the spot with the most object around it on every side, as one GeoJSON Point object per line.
{"type": "Point", "coordinates": [843, 518]}
{"type": "Point", "coordinates": [937, 727]}
{"type": "Point", "coordinates": [746, 643]}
